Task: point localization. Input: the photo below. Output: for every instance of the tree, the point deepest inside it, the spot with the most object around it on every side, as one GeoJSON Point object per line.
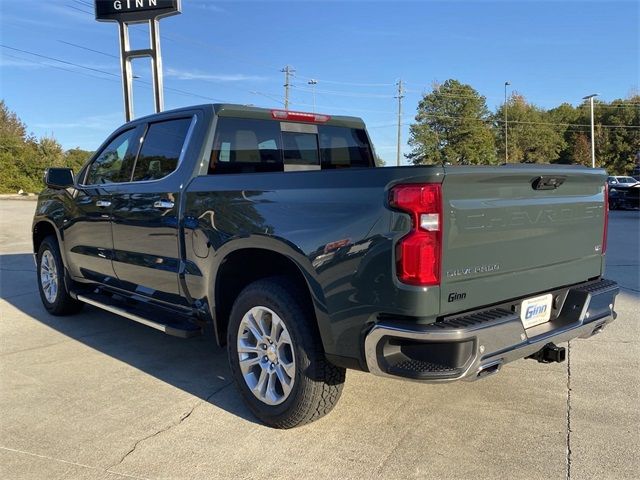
{"type": "Point", "coordinates": [580, 149]}
{"type": "Point", "coordinates": [564, 117]}
{"type": "Point", "coordinates": [617, 134]}
{"type": "Point", "coordinates": [452, 125]}
{"type": "Point", "coordinates": [531, 134]}
{"type": "Point", "coordinates": [24, 158]}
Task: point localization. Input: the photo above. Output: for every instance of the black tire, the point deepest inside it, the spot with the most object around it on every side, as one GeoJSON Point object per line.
{"type": "Point", "coordinates": [317, 383]}
{"type": "Point", "coordinates": [62, 303]}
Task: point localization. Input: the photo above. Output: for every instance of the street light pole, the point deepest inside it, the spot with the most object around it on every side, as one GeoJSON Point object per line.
{"type": "Point", "coordinates": [399, 97]}
{"type": "Point", "coordinates": [313, 84]}
{"type": "Point", "coordinates": [506, 120]}
{"type": "Point", "coordinates": [593, 137]}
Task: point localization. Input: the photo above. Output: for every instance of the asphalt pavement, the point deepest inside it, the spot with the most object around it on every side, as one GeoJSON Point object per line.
{"type": "Point", "coordinates": [96, 396]}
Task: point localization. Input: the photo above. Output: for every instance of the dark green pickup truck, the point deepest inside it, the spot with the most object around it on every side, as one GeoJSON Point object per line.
{"type": "Point", "coordinates": [276, 229]}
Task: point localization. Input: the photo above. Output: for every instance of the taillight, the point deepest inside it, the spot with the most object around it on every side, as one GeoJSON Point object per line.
{"type": "Point", "coordinates": [418, 253]}
{"type": "Point", "coordinates": [300, 116]}
{"type": "Point", "coordinates": [606, 218]}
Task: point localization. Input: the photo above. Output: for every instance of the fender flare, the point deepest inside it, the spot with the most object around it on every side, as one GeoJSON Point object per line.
{"type": "Point", "coordinates": [290, 252]}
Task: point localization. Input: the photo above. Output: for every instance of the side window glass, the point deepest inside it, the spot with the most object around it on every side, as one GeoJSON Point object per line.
{"type": "Point", "coordinates": [161, 149]}
{"type": "Point", "coordinates": [300, 151]}
{"type": "Point", "coordinates": [115, 162]}
{"type": "Point", "coordinates": [246, 146]}
{"type": "Point", "coordinates": [342, 147]}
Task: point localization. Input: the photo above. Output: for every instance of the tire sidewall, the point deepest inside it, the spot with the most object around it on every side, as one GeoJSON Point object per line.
{"type": "Point", "coordinates": [248, 299]}
{"type": "Point", "coordinates": [48, 245]}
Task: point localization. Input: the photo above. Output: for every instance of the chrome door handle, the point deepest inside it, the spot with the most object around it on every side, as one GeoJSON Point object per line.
{"type": "Point", "coordinates": [103, 203]}
{"type": "Point", "coordinates": [163, 204]}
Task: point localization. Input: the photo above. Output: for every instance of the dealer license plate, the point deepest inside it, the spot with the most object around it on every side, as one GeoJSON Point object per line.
{"type": "Point", "coordinates": [535, 311]}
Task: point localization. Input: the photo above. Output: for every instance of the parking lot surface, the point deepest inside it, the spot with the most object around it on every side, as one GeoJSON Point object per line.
{"type": "Point", "coordinates": [97, 396]}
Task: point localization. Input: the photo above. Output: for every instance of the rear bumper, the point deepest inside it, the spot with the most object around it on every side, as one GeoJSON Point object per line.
{"type": "Point", "coordinates": [476, 344]}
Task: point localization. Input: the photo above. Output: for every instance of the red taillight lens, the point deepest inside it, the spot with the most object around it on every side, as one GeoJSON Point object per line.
{"type": "Point", "coordinates": [606, 218]}
{"type": "Point", "coordinates": [418, 253]}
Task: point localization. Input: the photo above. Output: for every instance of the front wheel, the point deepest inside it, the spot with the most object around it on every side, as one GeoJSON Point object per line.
{"type": "Point", "coordinates": [276, 356]}
{"type": "Point", "coordinates": [51, 284]}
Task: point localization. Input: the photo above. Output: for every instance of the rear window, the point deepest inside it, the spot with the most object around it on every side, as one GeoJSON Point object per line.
{"type": "Point", "coordinates": [251, 146]}
{"type": "Point", "coordinates": [342, 147]}
{"type": "Point", "coordinates": [300, 151]}
{"type": "Point", "coordinates": [161, 149]}
{"type": "Point", "coordinates": [245, 146]}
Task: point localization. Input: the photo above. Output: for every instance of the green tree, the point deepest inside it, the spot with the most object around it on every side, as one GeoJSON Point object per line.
{"type": "Point", "coordinates": [617, 139]}
{"type": "Point", "coordinates": [76, 158]}
{"type": "Point", "coordinates": [531, 134]}
{"type": "Point", "coordinates": [24, 158]}
{"type": "Point", "coordinates": [16, 147]}
{"type": "Point", "coordinates": [565, 117]}
{"type": "Point", "coordinates": [452, 125]}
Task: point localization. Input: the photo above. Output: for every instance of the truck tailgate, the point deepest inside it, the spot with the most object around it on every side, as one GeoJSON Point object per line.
{"type": "Point", "coordinates": [504, 238]}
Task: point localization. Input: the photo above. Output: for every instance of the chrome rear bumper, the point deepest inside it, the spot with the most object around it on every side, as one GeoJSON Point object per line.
{"type": "Point", "coordinates": [473, 345]}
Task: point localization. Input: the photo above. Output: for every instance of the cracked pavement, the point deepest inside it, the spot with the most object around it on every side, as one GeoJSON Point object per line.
{"type": "Point", "coordinates": [95, 396]}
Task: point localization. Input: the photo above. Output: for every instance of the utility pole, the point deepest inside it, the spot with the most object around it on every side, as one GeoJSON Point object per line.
{"type": "Point", "coordinates": [288, 71]}
{"type": "Point", "coordinates": [399, 97]}
{"type": "Point", "coordinates": [506, 124]}
{"type": "Point", "coordinates": [313, 84]}
{"type": "Point", "coordinates": [593, 136]}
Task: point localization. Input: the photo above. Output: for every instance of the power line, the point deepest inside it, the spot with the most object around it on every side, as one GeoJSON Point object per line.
{"type": "Point", "coordinates": [522, 122]}
{"type": "Point", "coordinates": [59, 60]}
{"type": "Point", "coordinates": [61, 68]}
{"type": "Point", "coordinates": [104, 72]}
{"type": "Point", "coordinates": [345, 94]}
{"type": "Point", "coordinates": [269, 96]}
{"type": "Point", "coordinates": [79, 9]}
{"type": "Point", "coordinates": [350, 84]}
{"type": "Point", "coordinates": [88, 49]}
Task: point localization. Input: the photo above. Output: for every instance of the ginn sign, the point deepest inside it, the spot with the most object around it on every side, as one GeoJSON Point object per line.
{"type": "Point", "coordinates": [134, 10]}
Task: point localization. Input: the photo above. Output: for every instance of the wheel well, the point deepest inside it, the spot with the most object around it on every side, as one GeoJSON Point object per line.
{"type": "Point", "coordinates": [242, 267]}
{"type": "Point", "coordinates": [41, 231]}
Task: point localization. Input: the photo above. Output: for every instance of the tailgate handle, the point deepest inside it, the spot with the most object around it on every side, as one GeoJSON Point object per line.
{"type": "Point", "coordinates": [547, 182]}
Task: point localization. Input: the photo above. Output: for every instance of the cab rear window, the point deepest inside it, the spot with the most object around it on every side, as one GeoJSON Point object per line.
{"type": "Point", "coordinates": [252, 146]}
{"type": "Point", "coordinates": [342, 147]}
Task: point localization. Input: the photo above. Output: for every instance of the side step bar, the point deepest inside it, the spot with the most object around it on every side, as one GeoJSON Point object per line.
{"type": "Point", "coordinates": [165, 322]}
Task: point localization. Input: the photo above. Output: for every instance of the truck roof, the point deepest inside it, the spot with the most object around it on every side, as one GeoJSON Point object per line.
{"type": "Point", "coordinates": [246, 111]}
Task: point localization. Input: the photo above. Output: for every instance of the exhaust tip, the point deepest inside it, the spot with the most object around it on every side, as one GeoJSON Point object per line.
{"type": "Point", "coordinates": [489, 369]}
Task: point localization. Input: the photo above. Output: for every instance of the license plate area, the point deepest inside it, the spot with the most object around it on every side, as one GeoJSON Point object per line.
{"type": "Point", "coordinates": [536, 311]}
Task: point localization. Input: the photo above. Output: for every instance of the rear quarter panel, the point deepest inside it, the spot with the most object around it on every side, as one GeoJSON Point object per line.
{"type": "Point", "coordinates": [335, 225]}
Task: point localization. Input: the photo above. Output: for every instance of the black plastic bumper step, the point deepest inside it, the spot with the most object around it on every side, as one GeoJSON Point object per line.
{"type": "Point", "coordinates": [421, 368]}
{"type": "Point", "coordinates": [161, 319]}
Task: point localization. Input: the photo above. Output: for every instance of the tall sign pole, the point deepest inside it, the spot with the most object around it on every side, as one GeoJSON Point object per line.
{"type": "Point", "coordinates": [128, 12]}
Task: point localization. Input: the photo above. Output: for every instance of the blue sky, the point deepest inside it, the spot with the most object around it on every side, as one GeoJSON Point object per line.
{"type": "Point", "coordinates": [232, 51]}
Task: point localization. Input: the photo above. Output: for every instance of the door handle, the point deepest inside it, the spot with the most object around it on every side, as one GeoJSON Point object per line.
{"type": "Point", "coordinates": [163, 204]}
{"type": "Point", "coordinates": [103, 203]}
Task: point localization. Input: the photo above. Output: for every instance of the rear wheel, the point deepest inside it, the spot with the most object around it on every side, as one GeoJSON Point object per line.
{"type": "Point", "coordinates": [277, 358]}
{"type": "Point", "coordinates": [51, 284]}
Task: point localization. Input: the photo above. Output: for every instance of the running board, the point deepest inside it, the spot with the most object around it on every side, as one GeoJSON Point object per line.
{"type": "Point", "coordinates": [165, 321]}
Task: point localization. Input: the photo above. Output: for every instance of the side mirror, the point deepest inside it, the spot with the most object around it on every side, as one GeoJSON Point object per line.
{"type": "Point", "coordinates": [58, 177]}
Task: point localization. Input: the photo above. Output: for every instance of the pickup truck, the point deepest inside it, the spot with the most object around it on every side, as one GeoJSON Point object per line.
{"type": "Point", "coordinates": [277, 232]}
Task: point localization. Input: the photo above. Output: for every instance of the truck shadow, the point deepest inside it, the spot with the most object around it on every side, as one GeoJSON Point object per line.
{"type": "Point", "coordinates": [194, 365]}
